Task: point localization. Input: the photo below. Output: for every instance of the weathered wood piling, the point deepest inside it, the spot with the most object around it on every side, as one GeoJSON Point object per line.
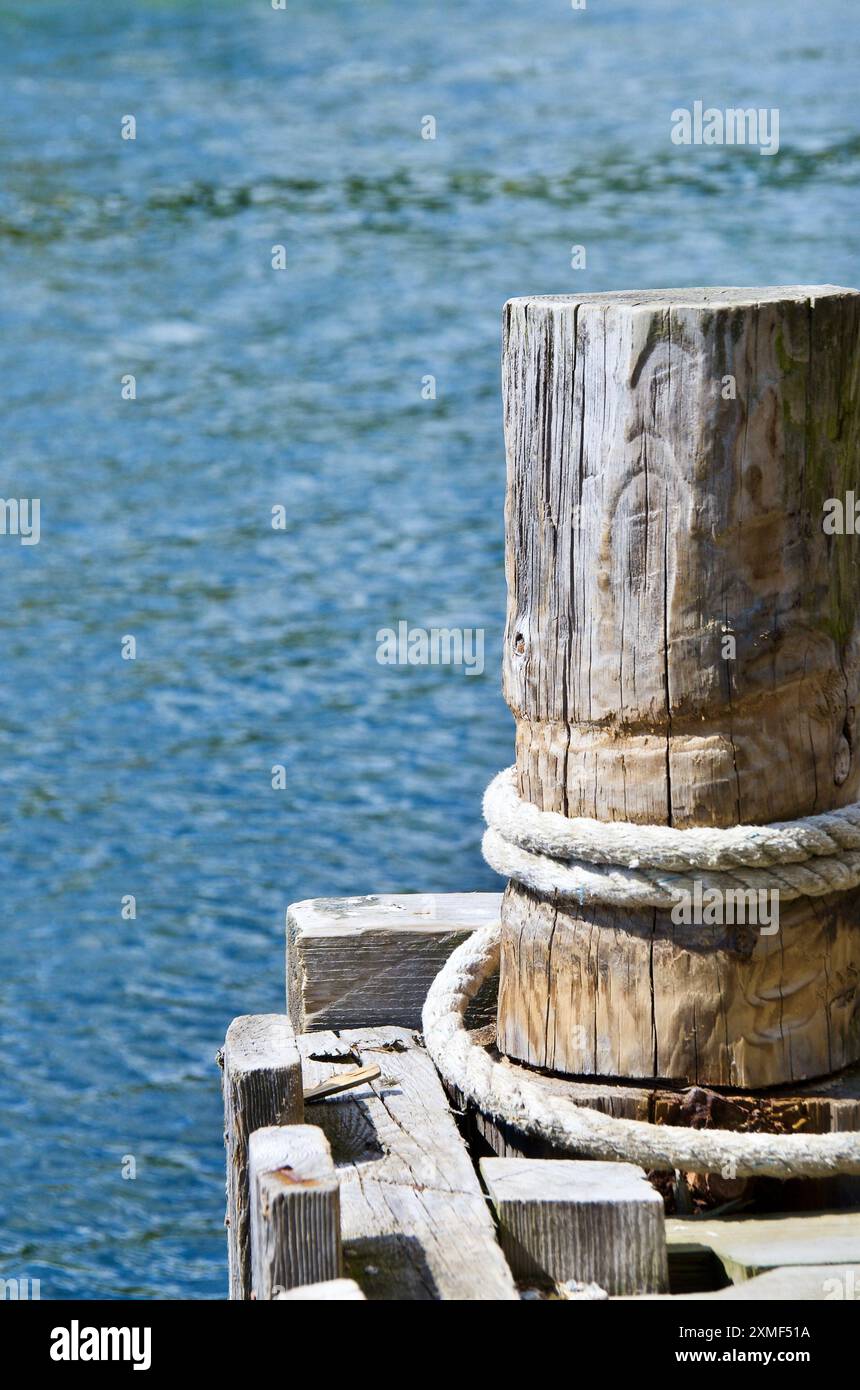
{"type": "Point", "coordinates": [682, 649]}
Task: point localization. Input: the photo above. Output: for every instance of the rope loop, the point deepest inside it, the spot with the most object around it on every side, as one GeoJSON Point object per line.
{"type": "Point", "coordinates": [508, 1094]}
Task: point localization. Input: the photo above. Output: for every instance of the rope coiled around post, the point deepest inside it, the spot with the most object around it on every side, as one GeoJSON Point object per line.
{"type": "Point", "coordinates": [641, 866]}
{"type": "Point", "coordinates": [636, 866]}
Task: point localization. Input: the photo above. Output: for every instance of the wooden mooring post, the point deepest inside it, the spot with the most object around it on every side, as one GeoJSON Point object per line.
{"type": "Point", "coordinates": [682, 649]}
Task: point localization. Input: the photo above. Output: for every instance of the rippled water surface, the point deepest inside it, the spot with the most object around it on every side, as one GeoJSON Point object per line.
{"type": "Point", "coordinates": [257, 127]}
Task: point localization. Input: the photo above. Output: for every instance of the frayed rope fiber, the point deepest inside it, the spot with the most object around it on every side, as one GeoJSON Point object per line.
{"type": "Point", "coordinates": [634, 866]}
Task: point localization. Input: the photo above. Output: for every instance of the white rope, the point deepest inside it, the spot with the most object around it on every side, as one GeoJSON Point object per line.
{"type": "Point", "coordinates": [635, 866]}
{"type": "Point", "coordinates": [506, 1093]}
{"type": "Point", "coordinates": [641, 866]}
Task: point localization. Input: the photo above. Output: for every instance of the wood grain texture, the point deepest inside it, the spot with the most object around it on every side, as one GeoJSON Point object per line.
{"type": "Point", "coordinates": [262, 1085]}
{"type": "Point", "coordinates": [608, 992]}
{"type": "Point", "coordinates": [647, 517]}
{"type": "Point", "coordinates": [564, 1219]}
{"type": "Point", "coordinates": [369, 961]}
{"type": "Point", "coordinates": [295, 1210]}
{"type": "Point", "coordinates": [414, 1222]}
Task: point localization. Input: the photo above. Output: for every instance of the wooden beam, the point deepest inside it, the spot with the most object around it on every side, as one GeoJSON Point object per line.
{"type": "Point", "coordinates": [785, 1283]}
{"type": "Point", "coordinates": [262, 1085]}
{"type": "Point", "coordinates": [295, 1209]}
{"type": "Point", "coordinates": [367, 962]}
{"type": "Point", "coordinates": [332, 1291]}
{"type": "Point", "coordinates": [567, 1219]}
{"type": "Point", "coordinates": [747, 1246]}
{"type": "Point", "coordinates": [414, 1221]}
{"type": "Point", "coordinates": [670, 455]}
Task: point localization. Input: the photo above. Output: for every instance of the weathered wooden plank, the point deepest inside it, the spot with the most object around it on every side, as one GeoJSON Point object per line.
{"type": "Point", "coordinates": [414, 1222]}
{"type": "Point", "coordinates": [599, 1223]}
{"type": "Point", "coordinates": [295, 1209]}
{"type": "Point", "coordinates": [262, 1085]}
{"type": "Point", "coordinates": [747, 1246]}
{"type": "Point", "coordinates": [367, 962]}
{"type": "Point", "coordinates": [786, 1283]}
{"type": "Point", "coordinates": [333, 1291]}
{"type": "Point", "coordinates": [670, 454]}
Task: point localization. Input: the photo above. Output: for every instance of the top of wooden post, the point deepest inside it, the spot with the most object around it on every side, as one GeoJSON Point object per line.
{"type": "Point", "coordinates": [682, 639]}
{"type": "Point", "coordinates": [701, 297]}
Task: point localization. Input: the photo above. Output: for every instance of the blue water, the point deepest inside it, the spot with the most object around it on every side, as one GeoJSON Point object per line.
{"type": "Point", "coordinates": [302, 387]}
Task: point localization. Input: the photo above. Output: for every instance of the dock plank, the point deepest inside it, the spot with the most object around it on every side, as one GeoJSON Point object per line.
{"type": "Point", "coordinates": [748, 1246]}
{"type": "Point", "coordinates": [295, 1209]}
{"type": "Point", "coordinates": [785, 1284]}
{"type": "Point", "coordinates": [414, 1221]}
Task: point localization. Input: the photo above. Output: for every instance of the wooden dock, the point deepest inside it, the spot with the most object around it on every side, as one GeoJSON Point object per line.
{"type": "Point", "coordinates": [682, 661]}
{"type": "Point", "coordinates": [421, 1211]}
